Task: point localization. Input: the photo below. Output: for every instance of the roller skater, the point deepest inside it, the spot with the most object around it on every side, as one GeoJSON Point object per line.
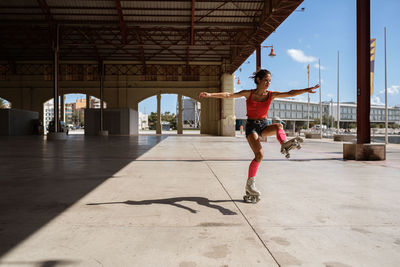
{"type": "Point", "coordinates": [257, 103]}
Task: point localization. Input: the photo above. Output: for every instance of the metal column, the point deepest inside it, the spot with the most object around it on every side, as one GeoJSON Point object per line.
{"type": "Point", "coordinates": [180, 115]}
{"type": "Point", "coordinates": [363, 72]}
{"type": "Point", "coordinates": [159, 124]}
{"type": "Point", "coordinates": [56, 83]}
{"type": "Point", "coordinates": [101, 97]}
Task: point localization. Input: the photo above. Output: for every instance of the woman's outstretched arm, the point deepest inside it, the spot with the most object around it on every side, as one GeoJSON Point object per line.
{"type": "Point", "coordinates": [244, 93]}
{"type": "Point", "coordinates": [292, 93]}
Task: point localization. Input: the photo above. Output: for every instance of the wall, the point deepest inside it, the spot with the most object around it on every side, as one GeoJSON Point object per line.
{"type": "Point", "coordinates": [125, 85]}
{"type": "Point", "coordinates": [17, 122]}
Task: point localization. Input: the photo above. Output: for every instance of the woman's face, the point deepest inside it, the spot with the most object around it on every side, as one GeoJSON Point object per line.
{"type": "Point", "coordinates": [266, 81]}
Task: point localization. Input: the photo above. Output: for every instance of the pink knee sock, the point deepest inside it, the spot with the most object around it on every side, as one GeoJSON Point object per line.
{"type": "Point", "coordinates": [280, 135]}
{"type": "Point", "coordinates": [253, 168]}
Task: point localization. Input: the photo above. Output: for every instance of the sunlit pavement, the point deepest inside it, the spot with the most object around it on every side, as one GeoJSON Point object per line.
{"type": "Point", "coordinates": [177, 201]}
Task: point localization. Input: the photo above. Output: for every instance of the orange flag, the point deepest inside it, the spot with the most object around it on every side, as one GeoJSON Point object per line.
{"type": "Point", "coordinates": [372, 49]}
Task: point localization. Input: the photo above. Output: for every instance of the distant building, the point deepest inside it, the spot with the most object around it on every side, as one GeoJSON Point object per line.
{"type": "Point", "coordinates": [48, 113]}
{"type": "Point", "coordinates": [69, 110]}
{"type": "Point", "coordinates": [80, 103]}
{"type": "Point", "coordinates": [95, 103]}
{"type": "Point", "coordinates": [191, 110]}
{"type": "Point", "coordinates": [143, 121]}
{"type": "Point", "coordinates": [294, 111]}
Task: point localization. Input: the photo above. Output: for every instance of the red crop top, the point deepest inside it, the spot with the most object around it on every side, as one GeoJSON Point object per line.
{"type": "Point", "coordinates": [256, 109]}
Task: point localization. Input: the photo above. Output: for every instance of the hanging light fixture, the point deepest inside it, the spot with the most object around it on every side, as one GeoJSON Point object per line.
{"type": "Point", "coordinates": [272, 53]}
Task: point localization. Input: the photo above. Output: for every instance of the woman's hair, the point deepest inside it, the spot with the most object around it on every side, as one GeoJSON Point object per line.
{"type": "Point", "coordinates": [260, 74]}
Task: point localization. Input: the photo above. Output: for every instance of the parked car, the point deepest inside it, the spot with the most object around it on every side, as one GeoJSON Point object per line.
{"type": "Point", "coordinates": [61, 125]}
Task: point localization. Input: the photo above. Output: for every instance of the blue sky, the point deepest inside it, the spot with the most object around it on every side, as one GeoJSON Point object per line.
{"type": "Point", "coordinates": [318, 33]}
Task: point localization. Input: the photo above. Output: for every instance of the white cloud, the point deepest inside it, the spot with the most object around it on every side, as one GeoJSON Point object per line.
{"type": "Point", "coordinates": [392, 90]}
{"type": "Point", "coordinates": [303, 98]}
{"type": "Point", "coordinates": [330, 95]}
{"type": "Point", "coordinates": [299, 56]}
{"type": "Point", "coordinates": [316, 66]}
{"type": "Point", "coordinates": [376, 101]}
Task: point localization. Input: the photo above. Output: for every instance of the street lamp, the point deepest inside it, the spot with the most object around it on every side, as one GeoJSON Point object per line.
{"type": "Point", "coordinates": [258, 55]}
{"type": "Point", "coordinates": [272, 53]}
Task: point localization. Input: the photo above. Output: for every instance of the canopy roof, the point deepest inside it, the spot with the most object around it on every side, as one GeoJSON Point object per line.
{"type": "Point", "coordinates": [133, 30]}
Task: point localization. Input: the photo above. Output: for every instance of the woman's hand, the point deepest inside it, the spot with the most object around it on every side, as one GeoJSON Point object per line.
{"type": "Point", "coordinates": [204, 95]}
{"type": "Point", "coordinates": [311, 89]}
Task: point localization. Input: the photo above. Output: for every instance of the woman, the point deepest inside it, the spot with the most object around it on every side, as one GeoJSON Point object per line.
{"type": "Point", "coordinates": [257, 103]}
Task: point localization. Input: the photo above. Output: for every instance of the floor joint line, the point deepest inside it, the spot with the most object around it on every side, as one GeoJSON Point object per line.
{"type": "Point", "coordinates": [241, 212]}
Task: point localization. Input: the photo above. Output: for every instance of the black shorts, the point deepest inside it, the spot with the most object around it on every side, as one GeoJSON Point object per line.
{"type": "Point", "coordinates": [256, 126]}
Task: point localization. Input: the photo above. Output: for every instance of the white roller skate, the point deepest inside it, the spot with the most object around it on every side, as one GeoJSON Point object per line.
{"type": "Point", "coordinates": [288, 145]}
{"type": "Point", "coordinates": [252, 194]}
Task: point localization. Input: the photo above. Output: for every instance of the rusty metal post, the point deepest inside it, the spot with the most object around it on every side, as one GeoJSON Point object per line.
{"type": "Point", "coordinates": [258, 58]}
{"type": "Point", "coordinates": [363, 72]}
{"type": "Point", "coordinates": [56, 80]}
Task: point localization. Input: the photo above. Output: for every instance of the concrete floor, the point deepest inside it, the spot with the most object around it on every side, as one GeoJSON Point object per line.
{"type": "Point", "coordinates": [177, 201]}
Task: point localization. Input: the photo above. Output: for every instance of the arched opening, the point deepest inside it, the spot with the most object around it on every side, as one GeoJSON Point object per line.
{"type": "Point", "coordinates": [71, 112]}
{"type": "Point", "coordinates": [191, 110]}
{"type": "Point", "coordinates": [169, 115]}
{"type": "Point", "coordinates": [4, 104]}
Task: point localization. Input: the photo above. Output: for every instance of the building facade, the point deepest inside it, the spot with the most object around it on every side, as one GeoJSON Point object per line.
{"type": "Point", "coordinates": [143, 121]}
{"type": "Point", "coordinates": [293, 111]}
{"type": "Point", "coordinates": [191, 110]}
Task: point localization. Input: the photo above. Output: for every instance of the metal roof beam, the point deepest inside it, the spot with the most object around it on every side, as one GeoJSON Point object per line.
{"type": "Point", "coordinates": [191, 32]}
{"type": "Point", "coordinates": [122, 24]}
{"type": "Point", "coordinates": [49, 17]}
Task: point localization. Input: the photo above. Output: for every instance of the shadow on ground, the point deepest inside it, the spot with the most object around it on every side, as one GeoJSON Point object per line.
{"type": "Point", "coordinates": [40, 179]}
{"type": "Point", "coordinates": [174, 202]}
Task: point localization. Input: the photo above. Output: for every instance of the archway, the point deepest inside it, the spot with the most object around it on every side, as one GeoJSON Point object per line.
{"type": "Point", "coordinates": [169, 107]}
{"type": "Point", "coordinates": [71, 111]}
{"type": "Point", "coordinates": [4, 104]}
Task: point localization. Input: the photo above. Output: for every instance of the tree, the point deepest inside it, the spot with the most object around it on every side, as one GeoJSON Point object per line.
{"type": "Point", "coordinates": [171, 118]}
{"type": "Point", "coordinates": [166, 116]}
{"type": "Point", "coordinates": [152, 121]}
{"type": "Point", "coordinates": [75, 117]}
{"type": "Point", "coordinates": [352, 125]}
{"type": "Point", "coordinates": [327, 120]}
{"type": "Point", "coordinates": [2, 103]}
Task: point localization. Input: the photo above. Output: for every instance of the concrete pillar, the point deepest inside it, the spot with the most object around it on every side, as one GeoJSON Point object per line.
{"type": "Point", "coordinates": [87, 101]}
{"type": "Point", "coordinates": [180, 115]}
{"type": "Point", "coordinates": [228, 119]}
{"type": "Point", "coordinates": [158, 126]}
{"type": "Point", "coordinates": [294, 127]}
{"type": "Point", "coordinates": [26, 99]}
